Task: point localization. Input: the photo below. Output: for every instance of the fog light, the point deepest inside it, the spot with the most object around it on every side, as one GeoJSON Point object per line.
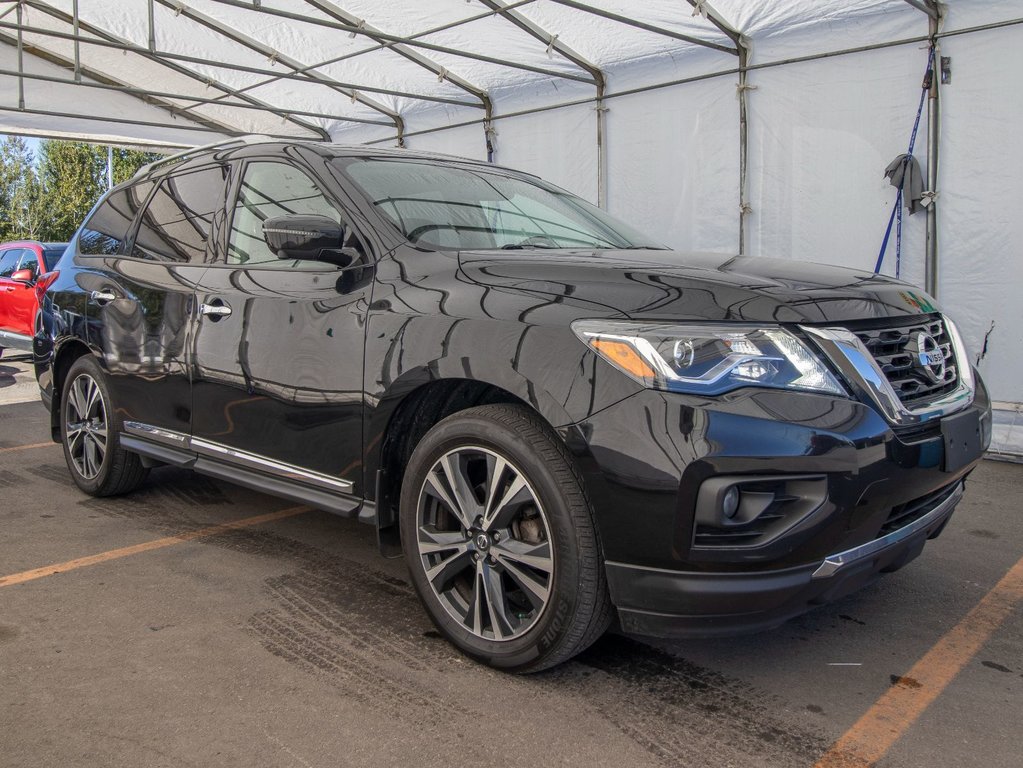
{"type": "Point", "coordinates": [730, 503]}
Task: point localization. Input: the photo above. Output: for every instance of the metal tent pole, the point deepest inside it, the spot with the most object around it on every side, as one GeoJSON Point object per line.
{"type": "Point", "coordinates": [742, 49]}
{"type": "Point", "coordinates": [933, 143]}
{"type": "Point", "coordinates": [21, 63]}
{"type": "Point", "coordinates": [554, 45]}
{"type": "Point", "coordinates": [933, 9]}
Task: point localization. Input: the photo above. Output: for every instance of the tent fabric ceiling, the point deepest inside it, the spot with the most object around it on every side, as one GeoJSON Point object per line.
{"type": "Point", "coordinates": [314, 68]}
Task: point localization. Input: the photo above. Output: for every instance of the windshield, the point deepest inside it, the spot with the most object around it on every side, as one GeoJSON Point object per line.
{"type": "Point", "coordinates": [452, 207]}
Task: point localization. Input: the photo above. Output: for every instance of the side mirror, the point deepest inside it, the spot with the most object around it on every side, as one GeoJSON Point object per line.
{"type": "Point", "coordinates": [302, 236]}
{"type": "Point", "coordinates": [27, 276]}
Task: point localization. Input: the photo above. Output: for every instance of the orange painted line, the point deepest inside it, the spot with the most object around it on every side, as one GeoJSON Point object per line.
{"type": "Point", "coordinates": [902, 704]}
{"type": "Point", "coordinates": [146, 546]}
{"type": "Point", "coordinates": [27, 447]}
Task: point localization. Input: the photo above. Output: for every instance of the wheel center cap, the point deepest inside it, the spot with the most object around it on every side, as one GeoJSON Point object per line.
{"type": "Point", "coordinates": [482, 542]}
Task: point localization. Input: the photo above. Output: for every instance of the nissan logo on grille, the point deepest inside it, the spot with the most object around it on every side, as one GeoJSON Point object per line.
{"type": "Point", "coordinates": [928, 356]}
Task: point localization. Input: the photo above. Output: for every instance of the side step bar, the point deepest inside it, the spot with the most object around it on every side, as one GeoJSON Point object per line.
{"type": "Point", "coordinates": [249, 470]}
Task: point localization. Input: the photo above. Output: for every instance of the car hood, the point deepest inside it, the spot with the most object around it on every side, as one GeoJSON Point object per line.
{"type": "Point", "coordinates": [667, 285]}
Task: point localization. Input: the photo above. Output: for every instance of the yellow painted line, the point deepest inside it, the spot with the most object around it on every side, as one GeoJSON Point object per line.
{"type": "Point", "coordinates": [146, 546]}
{"type": "Point", "coordinates": [27, 447]}
{"type": "Point", "coordinates": [892, 714]}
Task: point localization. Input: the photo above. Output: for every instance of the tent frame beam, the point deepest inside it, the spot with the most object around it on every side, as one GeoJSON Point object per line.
{"type": "Point", "coordinates": [334, 11]}
{"type": "Point", "coordinates": [596, 74]}
{"type": "Point", "coordinates": [163, 57]}
{"type": "Point", "coordinates": [107, 39]}
{"type": "Point", "coordinates": [394, 39]}
{"type": "Point", "coordinates": [106, 83]}
{"type": "Point", "coordinates": [131, 121]}
{"type": "Point", "coordinates": [625, 20]}
{"type": "Point", "coordinates": [239, 37]}
{"type": "Point", "coordinates": [103, 81]}
{"type": "Point", "coordinates": [732, 71]}
{"type": "Point", "coordinates": [384, 45]}
{"type": "Point", "coordinates": [402, 49]}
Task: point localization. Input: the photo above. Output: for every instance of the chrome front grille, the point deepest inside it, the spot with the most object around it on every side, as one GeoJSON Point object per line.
{"type": "Point", "coordinates": [897, 351]}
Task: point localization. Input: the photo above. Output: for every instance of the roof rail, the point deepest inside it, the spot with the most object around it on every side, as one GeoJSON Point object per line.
{"type": "Point", "coordinates": [185, 153]}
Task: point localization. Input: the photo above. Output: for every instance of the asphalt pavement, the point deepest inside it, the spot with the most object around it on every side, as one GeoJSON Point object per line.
{"type": "Point", "coordinates": [184, 628]}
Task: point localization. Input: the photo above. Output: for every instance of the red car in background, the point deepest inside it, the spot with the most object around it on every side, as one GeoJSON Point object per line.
{"type": "Point", "coordinates": [26, 269]}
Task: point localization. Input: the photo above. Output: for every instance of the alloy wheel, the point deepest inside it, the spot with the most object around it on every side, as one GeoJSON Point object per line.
{"type": "Point", "coordinates": [485, 543]}
{"type": "Point", "coordinates": [85, 426]}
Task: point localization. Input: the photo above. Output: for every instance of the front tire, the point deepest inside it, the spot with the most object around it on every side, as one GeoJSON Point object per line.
{"type": "Point", "coordinates": [89, 433]}
{"type": "Point", "coordinates": [499, 540]}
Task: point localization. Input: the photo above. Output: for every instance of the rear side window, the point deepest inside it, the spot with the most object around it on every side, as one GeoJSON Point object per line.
{"type": "Point", "coordinates": [51, 256]}
{"type": "Point", "coordinates": [106, 230]}
{"type": "Point", "coordinates": [177, 221]}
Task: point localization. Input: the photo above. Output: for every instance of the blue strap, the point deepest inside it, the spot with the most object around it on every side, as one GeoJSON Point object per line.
{"type": "Point", "coordinates": [888, 231]}
{"type": "Point", "coordinates": [897, 210]}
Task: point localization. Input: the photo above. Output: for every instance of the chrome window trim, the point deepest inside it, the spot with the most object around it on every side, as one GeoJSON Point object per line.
{"type": "Point", "coordinates": [237, 457]}
{"type": "Point", "coordinates": [868, 382]}
{"type": "Point", "coordinates": [834, 563]}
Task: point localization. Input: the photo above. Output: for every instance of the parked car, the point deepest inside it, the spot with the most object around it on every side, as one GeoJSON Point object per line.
{"type": "Point", "coordinates": [557, 420]}
{"type": "Point", "coordinates": [25, 272]}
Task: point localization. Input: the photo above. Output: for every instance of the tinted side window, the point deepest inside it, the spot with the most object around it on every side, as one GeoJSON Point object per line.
{"type": "Point", "coordinates": [106, 230]}
{"type": "Point", "coordinates": [176, 224]}
{"type": "Point", "coordinates": [268, 190]}
{"type": "Point", "coordinates": [9, 262]}
{"type": "Point", "coordinates": [51, 256]}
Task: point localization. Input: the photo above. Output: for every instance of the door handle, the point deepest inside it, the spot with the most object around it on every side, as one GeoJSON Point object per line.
{"type": "Point", "coordinates": [216, 311]}
{"type": "Point", "coordinates": [102, 297]}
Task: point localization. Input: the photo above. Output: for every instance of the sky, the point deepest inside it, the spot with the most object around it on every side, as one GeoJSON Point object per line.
{"type": "Point", "coordinates": [33, 144]}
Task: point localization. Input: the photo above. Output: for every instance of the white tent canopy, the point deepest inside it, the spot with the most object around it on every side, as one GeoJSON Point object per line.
{"type": "Point", "coordinates": [725, 126]}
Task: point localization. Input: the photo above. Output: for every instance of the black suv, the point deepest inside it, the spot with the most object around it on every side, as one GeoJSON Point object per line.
{"type": "Point", "coordinates": [558, 421]}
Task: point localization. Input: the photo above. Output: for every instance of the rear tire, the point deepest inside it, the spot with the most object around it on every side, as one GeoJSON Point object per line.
{"type": "Point", "coordinates": [90, 434]}
{"type": "Point", "coordinates": [506, 558]}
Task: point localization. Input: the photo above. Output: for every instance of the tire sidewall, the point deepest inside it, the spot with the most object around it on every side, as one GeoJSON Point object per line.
{"type": "Point", "coordinates": [548, 633]}
{"type": "Point", "coordinates": [87, 365]}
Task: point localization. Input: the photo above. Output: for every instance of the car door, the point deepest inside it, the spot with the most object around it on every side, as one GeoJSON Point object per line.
{"type": "Point", "coordinates": [142, 291]}
{"type": "Point", "coordinates": [278, 349]}
{"type": "Point", "coordinates": [9, 260]}
{"type": "Point", "coordinates": [22, 301]}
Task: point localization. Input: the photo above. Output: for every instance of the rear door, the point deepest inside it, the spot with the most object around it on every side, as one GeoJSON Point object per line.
{"type": "Point", "coordinates": [142, 290]}
{"type": "Point", "coordinates": [278, 358]}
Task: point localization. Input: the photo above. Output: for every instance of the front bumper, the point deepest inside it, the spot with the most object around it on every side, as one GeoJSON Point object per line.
{"type": "Point", "coordinates": [645, 459]}
{"type": "Point", "coordinates": [716, 604]}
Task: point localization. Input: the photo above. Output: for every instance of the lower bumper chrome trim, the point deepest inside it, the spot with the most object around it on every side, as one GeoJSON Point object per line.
{"type": "Point", "coordinates": [836, 562]}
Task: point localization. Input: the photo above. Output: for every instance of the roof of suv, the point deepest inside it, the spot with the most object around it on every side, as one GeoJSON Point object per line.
{"type": "Point", "coordinates": [23, 243]}
{"type": "Point", "coordinates": [197, 154]}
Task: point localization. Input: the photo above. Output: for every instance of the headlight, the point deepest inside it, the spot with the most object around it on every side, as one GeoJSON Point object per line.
{"type": "Point", "coordinates": [707, 359]}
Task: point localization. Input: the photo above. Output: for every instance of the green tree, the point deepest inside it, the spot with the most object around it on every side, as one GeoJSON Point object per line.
{"type": "Point", "coordinates": [21, 205]}
{"type": "Point", "coordinates": [48, 199]}
{"type": "Point", "coordinates": [74, 176]}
